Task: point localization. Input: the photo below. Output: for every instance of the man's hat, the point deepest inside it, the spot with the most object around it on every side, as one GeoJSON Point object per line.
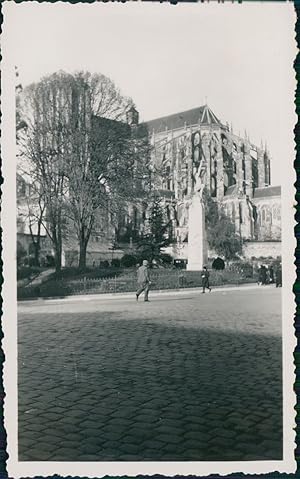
{"type": "Point", "coordinates": [145, 262]}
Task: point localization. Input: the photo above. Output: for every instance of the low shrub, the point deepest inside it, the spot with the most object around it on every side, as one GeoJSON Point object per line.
{"type": "Point", "coordinates": [218, 264]}
{"type": "Point", "coordinates": [129, 260]}
{"type": "Point", "coordinates": [104, 264]}
{"type": "Point", "coordinates": [166, 259]}
{"type": "Point", "coordinates": [115, 263]}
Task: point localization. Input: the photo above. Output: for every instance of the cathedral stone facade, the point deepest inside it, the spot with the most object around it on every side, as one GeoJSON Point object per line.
{"type": "Point", "coordinates": [237, 176]}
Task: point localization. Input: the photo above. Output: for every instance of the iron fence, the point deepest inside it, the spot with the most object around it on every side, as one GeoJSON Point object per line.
{"type": "Point", "coordinates": [127, 282]}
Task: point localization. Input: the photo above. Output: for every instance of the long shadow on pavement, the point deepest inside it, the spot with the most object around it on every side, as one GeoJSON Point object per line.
{"type": "Point", "coordinates": [117, 390]}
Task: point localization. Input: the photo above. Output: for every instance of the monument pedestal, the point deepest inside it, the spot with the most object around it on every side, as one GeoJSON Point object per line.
{"type": "Point", "coordinates": [197, 243]}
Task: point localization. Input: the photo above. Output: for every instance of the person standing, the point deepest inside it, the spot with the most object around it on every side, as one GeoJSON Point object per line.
{"type": "Point", "coordinates": [143, 280]}
{"type": "Point", "coordinates": [205, 280]}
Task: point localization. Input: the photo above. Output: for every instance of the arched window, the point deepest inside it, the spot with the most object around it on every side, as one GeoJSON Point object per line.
{"type": "Point", "coordinates": [213, 186]}
{"type": "Point", "coordinates": [233, 211]}
{"type": "Point", "coordinates": [234, 167]}
{"type": "Point", "coordinates": [276, 213]}
{"type": "Point", "coordinates": [240, 213]}
{"type": "Point", "coordinates": [259, 217]}
{"type": "Point", "coordinates": [263, 215]}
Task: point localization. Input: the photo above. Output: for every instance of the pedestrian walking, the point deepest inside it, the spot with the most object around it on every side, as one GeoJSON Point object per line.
{"type": "Point", "coordinates": [267, 275]}
{"type": "Point", "coordinates": [259, 280]}
{"type": "Point", "coordinates": [263, 275]}
{"type": "Point", "coordinates": [278, 276]}
{"type": "Point", "coordinates": [143, 280]}
{"type": "Point", "coordinates": [271, 272]}
{"type": "Point", "coordinates": [205, 280]}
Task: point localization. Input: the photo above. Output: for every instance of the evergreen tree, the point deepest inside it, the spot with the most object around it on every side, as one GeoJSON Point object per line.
{"type": "Point", "coordinates": [157, 234]}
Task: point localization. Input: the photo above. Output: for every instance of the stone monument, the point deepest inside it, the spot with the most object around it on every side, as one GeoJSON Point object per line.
{"type": "Point", "coordinates": [197, 242]}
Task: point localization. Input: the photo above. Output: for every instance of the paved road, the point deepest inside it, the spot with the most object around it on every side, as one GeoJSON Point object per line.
{"type": "Point", "coordinates": [183, 378]}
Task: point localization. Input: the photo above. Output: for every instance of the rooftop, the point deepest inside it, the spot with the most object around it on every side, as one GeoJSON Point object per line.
{"type": "Point", "coordinates": [202, 115]}
{"type": "Point", "coordinates": [267, 191]}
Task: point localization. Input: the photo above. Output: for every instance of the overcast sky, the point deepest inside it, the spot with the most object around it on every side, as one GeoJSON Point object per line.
{"type": "Point", "coordinates": [170, 58]}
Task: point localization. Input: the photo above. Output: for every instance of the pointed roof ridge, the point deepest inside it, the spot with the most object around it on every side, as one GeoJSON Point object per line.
{"type": "Point", "coordinates": [210, 116]}
{"type": "Point", "coordinates": [132, 108]}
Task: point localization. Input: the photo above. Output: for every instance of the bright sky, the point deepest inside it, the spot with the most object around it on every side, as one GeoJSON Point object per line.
{"type": "Point", "coordinates": [170, 58]}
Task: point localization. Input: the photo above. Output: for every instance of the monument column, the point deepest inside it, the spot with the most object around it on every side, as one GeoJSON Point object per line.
{"type": "Point", "coordinates": [197, 242]}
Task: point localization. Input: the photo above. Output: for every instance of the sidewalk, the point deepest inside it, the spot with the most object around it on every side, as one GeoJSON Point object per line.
{"type": "Point", "coordinates": [154, 293]}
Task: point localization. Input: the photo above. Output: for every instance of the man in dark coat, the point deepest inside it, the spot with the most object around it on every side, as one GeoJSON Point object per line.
{"type": "Point", "coordinates": [205, 279]}
{"type": "Point", "coordinates": [271, 272]}
{"type": "Point", "coordinates": [263, 274]}
{"type": "Point", "coordinates": [278, 276]}
{"type": "Point", "coordinates": [143, 280]}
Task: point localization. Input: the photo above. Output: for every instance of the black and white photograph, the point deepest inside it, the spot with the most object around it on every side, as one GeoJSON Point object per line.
{"type": "Point", "coordinates": [148, 215]}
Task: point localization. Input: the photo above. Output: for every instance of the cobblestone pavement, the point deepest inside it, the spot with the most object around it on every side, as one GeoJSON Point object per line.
{"type": "Point", "coordinates": [182, 378]}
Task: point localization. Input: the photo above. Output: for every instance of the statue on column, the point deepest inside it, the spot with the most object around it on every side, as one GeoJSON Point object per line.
{"type": "Point", "coordinates": [197, 244]}
{"type": "Point", "coordinates": [200, 179]}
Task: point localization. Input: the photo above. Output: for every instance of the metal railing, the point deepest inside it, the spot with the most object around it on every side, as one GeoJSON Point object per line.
{"type": "Point", "coordinates": [127, 282]}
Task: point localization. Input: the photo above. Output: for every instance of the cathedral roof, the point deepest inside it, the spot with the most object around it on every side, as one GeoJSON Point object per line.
{"type": "Point", "coordinates": [267, 191]}
{"type": "Point", "coordinates": [202, 115]}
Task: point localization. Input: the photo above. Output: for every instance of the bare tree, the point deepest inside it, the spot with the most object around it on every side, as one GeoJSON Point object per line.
{"type": "Point", "coordinates": [108, 157]}
{"type": "Point", "coordinates": [31, 210]}
{"type": "Point", "coordinates": [84, 156]}
{"type": "Point", "coordinates": [46, 147]}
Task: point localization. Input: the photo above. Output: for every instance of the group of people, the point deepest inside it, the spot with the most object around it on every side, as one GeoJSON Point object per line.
{"type": "Point", "coordinates": [269, 275]}
{"type": "Point", "coordinates": [143, 280]}
{"type": "Point", "coordinates": [266, 275]}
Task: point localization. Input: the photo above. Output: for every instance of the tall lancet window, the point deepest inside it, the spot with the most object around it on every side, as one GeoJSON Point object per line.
{"type": "Point", "coordinates": [213, 166]}
{"type": "Point", "coordinates": [168, 178]}
{"type": "Point", "coordinates": [267, 170]}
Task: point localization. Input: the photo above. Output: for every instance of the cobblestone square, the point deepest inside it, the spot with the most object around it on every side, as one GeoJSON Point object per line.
{"type": "Point", "coordinates": [186, 377]}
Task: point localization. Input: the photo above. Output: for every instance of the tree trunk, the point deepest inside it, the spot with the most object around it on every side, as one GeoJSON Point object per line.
{"type": "Point", "coordinates": [57, 257]}
{"type": "Point", "coordinates": [36, 253]}
{"type": "Point", "coordinates": [57, 244]}
{"type": "Point", "coordinates": [82, 255]}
